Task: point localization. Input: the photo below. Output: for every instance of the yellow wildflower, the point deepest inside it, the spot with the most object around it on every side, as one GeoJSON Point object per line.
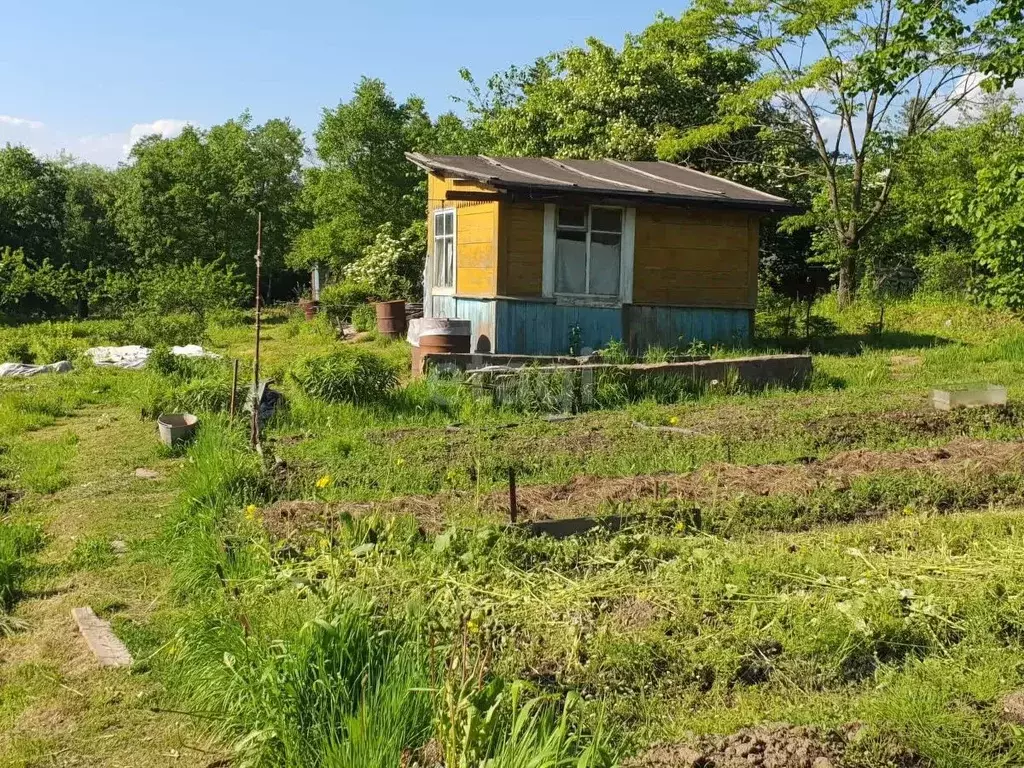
{"type": "Point", "coordinates": [673, 420]}
{"type": "Point", "coordinates": [399, 461]}
{"type": "Point", "coordinates": [325, 482]}
{"type": "Point", "coordinates": [250, 512]}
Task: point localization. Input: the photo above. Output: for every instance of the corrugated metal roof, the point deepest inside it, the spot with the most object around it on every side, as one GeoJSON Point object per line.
{"type": "Point", "coordinates": [652, 181]}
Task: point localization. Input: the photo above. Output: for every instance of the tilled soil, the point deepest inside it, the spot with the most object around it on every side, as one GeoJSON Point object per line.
{"type": "Point", "coordinates": [584, 496]}
{"type": "Point", "coordinates": [766, 746]}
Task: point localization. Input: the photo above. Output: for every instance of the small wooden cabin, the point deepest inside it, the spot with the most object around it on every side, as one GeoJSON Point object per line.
{"type": "Point", "coordinates": [540, 254]}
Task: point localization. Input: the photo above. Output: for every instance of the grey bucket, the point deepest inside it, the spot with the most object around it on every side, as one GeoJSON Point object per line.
{"type": "Point", "coordinates": [176, 427]}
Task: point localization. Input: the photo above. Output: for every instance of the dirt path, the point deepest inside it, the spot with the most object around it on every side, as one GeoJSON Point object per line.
{"type": "Point", "coordinates": [57, 708]}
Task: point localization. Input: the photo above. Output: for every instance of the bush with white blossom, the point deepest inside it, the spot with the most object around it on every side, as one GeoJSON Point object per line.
{"type": "Point", "coordinates": [391, 267]}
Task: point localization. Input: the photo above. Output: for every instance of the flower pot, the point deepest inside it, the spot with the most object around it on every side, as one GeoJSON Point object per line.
{"type": "Point", "coordinates": [391, 319]}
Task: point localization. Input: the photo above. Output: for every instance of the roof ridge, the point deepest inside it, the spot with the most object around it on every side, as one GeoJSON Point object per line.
{"type": "Point", "coordinates": [725, 180]}
{"type": "Point", "coordinates": [642, 172]}
{"type": "Point", "coordinates": [560, 164]}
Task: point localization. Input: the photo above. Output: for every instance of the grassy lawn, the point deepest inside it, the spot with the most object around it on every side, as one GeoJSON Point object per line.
{"type": "Point", "coordinates": [834, 556]}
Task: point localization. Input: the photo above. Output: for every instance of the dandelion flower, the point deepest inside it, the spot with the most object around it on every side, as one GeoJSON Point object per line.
{"type": "Point", "coordinates": [325, 481]}
{"type": "Point", "coordinates": [673, 420]}
{"type": "Point", "coordinates": [250, 512]}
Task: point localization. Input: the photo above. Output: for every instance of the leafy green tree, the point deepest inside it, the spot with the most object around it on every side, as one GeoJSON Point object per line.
{"type": "Point", "coordinates": [32, 199]}
{"type": "Point", "coordinates": [59, 213]}
{"type": "Point", "coordinates": [992, 211]}
{"type": "Point", "coordinates": [844, 70]}
{"type": "Point", "coordinates": [598, 101]}
{"type": "Point", "coordinates": [197, 196]}
{"type": "Point", "coordinates": [15, 278]}
{"type": "Point", "coordinates": [362, 181]}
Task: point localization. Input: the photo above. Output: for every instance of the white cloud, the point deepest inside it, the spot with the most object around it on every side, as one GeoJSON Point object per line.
{"type": "Point", "coordinates": [103, 149]}
{"type": "Point", "coordinates": [167, 127]}
{"type": "Point", "coordinates": [21, 122]}
{"type": "Point", "coordinates": [972, 99]}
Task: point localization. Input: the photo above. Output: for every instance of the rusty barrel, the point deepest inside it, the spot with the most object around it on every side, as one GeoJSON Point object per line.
{"type": "Point", "coordinates": [439, 336]}
{"type": "Point", "coordinates": [391, 320]}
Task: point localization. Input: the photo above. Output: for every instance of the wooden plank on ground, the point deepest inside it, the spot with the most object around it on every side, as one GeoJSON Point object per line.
{"type": "Point", "coordinates": [108, 650]}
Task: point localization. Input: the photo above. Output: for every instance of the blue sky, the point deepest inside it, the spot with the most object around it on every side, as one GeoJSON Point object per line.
{"type": "Point", "coordinates": [90, 78]}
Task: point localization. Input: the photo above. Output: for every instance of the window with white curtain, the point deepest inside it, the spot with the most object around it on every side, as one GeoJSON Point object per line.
{"type": "Point", "coordinates": [588, 250]}
{"type": "Point", "coordinates": [444, 248]}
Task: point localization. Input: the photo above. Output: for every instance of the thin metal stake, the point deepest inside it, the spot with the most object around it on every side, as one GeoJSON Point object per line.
{"type": "Point", "coordinates": [513, 507]}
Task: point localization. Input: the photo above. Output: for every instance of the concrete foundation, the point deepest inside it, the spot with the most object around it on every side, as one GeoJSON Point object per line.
{"type": "Point", "coordinates": [751, 372]}
{"type": "Point", "coordinates": [422, 363]}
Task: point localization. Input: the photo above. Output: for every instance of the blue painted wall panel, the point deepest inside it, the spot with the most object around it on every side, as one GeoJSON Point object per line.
{"type": "Point", "coordinates": [535, 328]}
{"type": "Point", "coordinates": [543, 328]}
{"type": "Point", "coordinates": [678, 326]}
{"type": "Point", "coordinates": [480, 313]}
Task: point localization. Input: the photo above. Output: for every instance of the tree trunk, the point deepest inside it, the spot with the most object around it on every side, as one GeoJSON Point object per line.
{"type": "Point", "coordinates": [847, 275]}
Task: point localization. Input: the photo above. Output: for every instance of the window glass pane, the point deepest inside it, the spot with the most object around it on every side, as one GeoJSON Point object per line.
{"type": "Point", "coordinates": [449, 223]}
{"type": "Point", "coordinates": [442, 224]}
{"type": "Point", "coordinates": [605, 252]}
{"type": "Point", "coordinates": [571, 262]}
{"type": "Point", "coordinates": [606, 219]}
{"type": "Point", "coordinates": [444, 262]}
{"type": "Point", "coordinates": [449, 258]}
{"type": "Point", "coordinates": [572, 217]}
{"type": "Point", "coordinates": [439, 260]}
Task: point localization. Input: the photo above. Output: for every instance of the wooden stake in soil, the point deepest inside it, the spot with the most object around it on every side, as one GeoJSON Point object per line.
{"type": "Point", "coordinates": [254, 430]}
{"type": "Point", "coordinates": [234, 389]}
{"type": "Point", "coordinates": [513, 508]}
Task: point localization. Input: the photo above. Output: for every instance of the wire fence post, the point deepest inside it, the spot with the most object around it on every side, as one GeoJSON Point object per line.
{"type": "Point", "coordinates": [254, 430]}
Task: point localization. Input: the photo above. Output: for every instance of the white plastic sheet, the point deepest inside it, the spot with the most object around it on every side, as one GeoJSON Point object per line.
{"type": "Point", "coordinates": [24, 370]}
{"type": "Point", "coordinates": [133, 357]}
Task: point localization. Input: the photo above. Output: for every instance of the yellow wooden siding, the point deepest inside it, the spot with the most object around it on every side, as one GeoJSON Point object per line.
{"type": "Point", "coordinates": [695, 258]}
{"type": "Point", "coordinates": [522, 252]}
{"type": "Point", "coordinates": [476, 235]}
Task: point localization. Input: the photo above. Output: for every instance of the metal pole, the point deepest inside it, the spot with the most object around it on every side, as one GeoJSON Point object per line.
{"type": "Point", "coordinates": [513, 507]}
{"type": "Point", "coordinates": [254, 431]}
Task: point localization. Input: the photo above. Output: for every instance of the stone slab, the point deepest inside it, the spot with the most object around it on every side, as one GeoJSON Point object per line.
{"type": "Point", "coordinates": [104, 644]}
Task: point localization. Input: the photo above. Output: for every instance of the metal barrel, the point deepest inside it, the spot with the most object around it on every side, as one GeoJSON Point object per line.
{"type": "Point", "coordinates": [391, 319]}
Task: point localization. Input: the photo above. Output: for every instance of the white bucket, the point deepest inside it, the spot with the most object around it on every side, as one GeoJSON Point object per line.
{"type": "Point", "coordinates": [176, 427]}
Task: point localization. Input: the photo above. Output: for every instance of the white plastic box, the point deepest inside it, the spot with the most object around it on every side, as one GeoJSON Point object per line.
{"type": "Point", "coordinates": [969, 396]}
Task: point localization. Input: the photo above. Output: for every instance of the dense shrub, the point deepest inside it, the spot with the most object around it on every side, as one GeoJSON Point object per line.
{"type": "Point", "coordinates": [339, 300]}
{"type": "Point", "coordinates": [196, 289]}
{"type": "Point", "coordinates": [946, 271]}
{"type": "Point", "coordinates": [166, 363]}
{"type": "Point", "coordinates": [348, 375]}
{"type": "Point", "coordinates": [16, 351]}
{"type": "Point", "coordinates": [391, 266]}
{"type": "Point", "coordinates": [364, 317]}
{"type": "Point", "coordinates": [153, 330]}
{"type": "Point", "coordinates": [56, 345]}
